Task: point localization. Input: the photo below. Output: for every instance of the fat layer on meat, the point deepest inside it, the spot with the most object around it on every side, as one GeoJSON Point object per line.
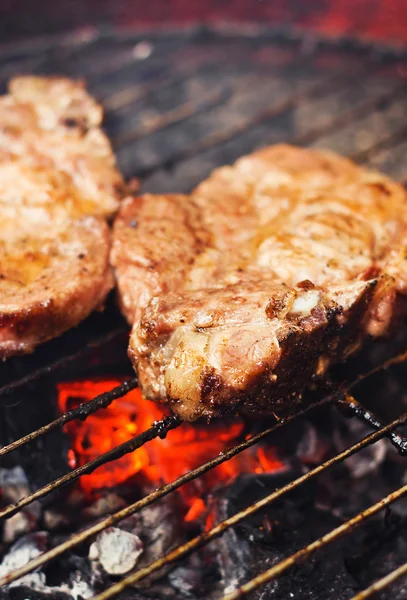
{"type": "Point", "coordinates": [58, 184]}
{"type": "Point", "coordinates": [273, 269]}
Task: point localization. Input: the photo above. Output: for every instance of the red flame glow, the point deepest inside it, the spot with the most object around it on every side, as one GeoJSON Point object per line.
{"type": "Point", "coordinates": [160, 460]}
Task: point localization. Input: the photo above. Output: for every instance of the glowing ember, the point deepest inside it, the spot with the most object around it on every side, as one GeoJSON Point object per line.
{"type": "Point", "coordinates": [159, 461]}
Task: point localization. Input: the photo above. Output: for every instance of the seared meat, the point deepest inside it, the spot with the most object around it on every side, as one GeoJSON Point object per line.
{"type": "Point", "coordinates": [272, 270]}
{"type": "Point", "coordinates": [58, 183]}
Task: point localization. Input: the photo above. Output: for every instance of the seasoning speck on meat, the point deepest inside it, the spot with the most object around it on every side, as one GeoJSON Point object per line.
{"type": "Point", "coordinates": [269, 272]}
{"type": "Point", "coordinates": [58, 184]}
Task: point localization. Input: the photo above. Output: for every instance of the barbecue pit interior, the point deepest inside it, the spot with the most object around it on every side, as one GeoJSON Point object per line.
{"type": "Point", "coordinates": [177, 106]}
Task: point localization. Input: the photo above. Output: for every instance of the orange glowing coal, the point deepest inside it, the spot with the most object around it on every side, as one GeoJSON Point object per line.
{"type": "Point", "coordinates": [160, 460]}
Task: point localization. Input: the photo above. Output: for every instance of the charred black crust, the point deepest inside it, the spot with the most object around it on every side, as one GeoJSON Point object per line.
{"type": "Point", "coordinates": [211, 384]}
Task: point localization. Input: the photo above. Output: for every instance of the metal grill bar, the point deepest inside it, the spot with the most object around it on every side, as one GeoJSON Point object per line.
{"type": "Point", "coordinates": [158, 429]}
{"type": "Point", "coordinates": [177, 115]}
{"type": "Point", "coordinates": [218, 530]}
{"type": "Point", "coordinates": [58, 364]}
{"type": "Point", "coordinates": [365, 415]}
{"type": "Point", "coordinates": [134, 93]}
{"type": "Point", "coordinates": [220, 137]}
{"type": "Point", "coordinates": [75, 540]}
{"type": "Point", "coordinates": [321, 542]}
{"type": "Point", "coordinates": [383, 143]}
{"type": "Point", "coordinates": [382, 583]}
{"type": "Point", "coordinates": [153, 497]}
{"type": "Point", "coordinates": [206, 537]}
{"type": "Point", "coordinates": [81, 412]}
{"type": "Point", "coordinates": [346, 118]}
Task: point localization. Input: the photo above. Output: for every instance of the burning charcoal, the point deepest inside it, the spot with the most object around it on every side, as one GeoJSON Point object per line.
{"type": "Point", "coordinates": [377, 550]}
{"type": "Point", "coordinates": [193, 578]}
{"type": "Point", "coordinates": [159, 528]}
{"type": "Point", "coordinates": [27, 592]}
{"type": "Point", "coordinates": [33, 581]}
{"type": "Point", "coordinates": [273, 533]}
{"type": "Point", "coordinates": [76, 497]}
{"type": "Point", "coordinates": [103, 506]}
{"type": "Point", "coordinates": [118, 551]}
{"type": "Point", "coordinates": [32, 587]}
{"type": "Point", "coordinates": [76, 589]}
{"type": "Point", "coordinates": [74, 576]}
{"type": "Point", "coordinates": [310, 448]}
{"type": "Point", "coordinates": [54, 519]}
{"type": "Point", "coordinates": [24, 550]}
{"type": "Point", "coordinates": [367, 460]}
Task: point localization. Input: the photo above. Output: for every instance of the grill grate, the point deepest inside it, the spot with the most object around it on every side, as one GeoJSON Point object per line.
{"type": "Point", "coordinates": [195, 101]}
{"type": "Point", "coordinates": [161, 428]}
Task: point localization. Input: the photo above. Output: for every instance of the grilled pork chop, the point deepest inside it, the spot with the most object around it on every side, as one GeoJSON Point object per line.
{"type": "Point", "coordinates": [272, 270]}
{"type": "Point", "coordinates": [58, 183]}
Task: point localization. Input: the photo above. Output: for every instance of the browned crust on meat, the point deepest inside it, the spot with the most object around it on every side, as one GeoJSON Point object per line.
{"type": "Point", "coordinates": [152, 255]}
{"type": "Point", "coordinates": [58, 184]}
{"type": "Point", "coordinates": [294, 258]}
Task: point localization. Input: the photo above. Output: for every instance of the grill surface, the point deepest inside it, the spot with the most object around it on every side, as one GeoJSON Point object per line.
{"type": "Point", "coordinates": [178, 106]}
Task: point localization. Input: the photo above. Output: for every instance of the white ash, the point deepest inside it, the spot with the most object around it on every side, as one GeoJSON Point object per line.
{"type": "Point", "coordinates": [77, 588]}
{"type": "Point", "coordinates": [117, 551]}
{"type": "Point", "coordinates": [159, 531]}
{"type": "Point", "coordinates": [34, 581]}
{"type": "Point", "coordinates": [16, 526]}
{"type": "Point", "coordinates": [14, 476]}
{"type": "Point", "coordinates": [29, 547]}
{"type": "Point", "coordinates": [14, 486]}
{"type": "Point", "coordinates": [183, 578]}
{"type": "Point", "coordinates": [25, 549]}
{"type": "Point", "coordinates": [158, 523]}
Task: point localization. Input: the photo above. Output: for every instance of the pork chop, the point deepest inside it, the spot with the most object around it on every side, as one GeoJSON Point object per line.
{"type": "Point", "coordinates": [58, 184]}
{"type": "Point", "coordinates": [269, 272]}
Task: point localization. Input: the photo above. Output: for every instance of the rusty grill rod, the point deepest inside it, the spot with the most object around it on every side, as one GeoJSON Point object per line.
{"type": "Point", "coordinates": [143, 91]}
{"type": "Point", "coordinates": [60, 363]}
{"type": "Point", "coordinates": [182, 112]}
{"type": "Point", "coordinates": [81, 412]}
{"type": "Point", "coordinates": [158, 429]}
{"type": "Point", "coordinates": [393, 139]}
{"type": "Point", "coordinates": [147, 500]}
{"type": "Point", "coordinates": [382, 583]}
{"type": "Point", "coordinates": [161, 428]}
{"type": "Point", "coordinates": [307, 551]}
{"type": "Point", "coordinates": [219, 529]}
{"type": "Point", "coordinates": [349, 403]}
{"type": "Point", "coordinates": [208, 536]}
{"type": "Point", "coordinates": [215, 138]}
{"type": "Point", "coordinates": [219, 137]}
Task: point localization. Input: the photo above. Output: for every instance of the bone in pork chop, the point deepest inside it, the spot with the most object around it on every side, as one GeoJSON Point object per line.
{"type": "Point", "coordinates": [272, 270]}
{"type": "Point", "coordinates": [58, 183]}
